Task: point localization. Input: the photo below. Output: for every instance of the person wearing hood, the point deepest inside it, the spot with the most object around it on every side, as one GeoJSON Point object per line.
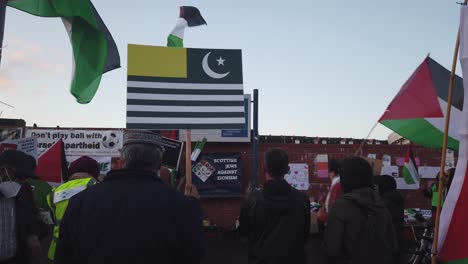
{"type": "Point", "coordinates": [276, 219]}
{"type": "Point", "coordinates": [360, 228]}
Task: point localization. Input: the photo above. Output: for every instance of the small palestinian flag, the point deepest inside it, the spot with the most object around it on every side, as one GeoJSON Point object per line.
{"type": "Point", "coordinates": [94, 49]}
{"type": "Point", "coordinates": [410, 170]}
{"type": "Point", "coordinates": [417, 112]}
{"type": "Point", "coordinates": [52, 164]}
{"type": "Point", "coordinates": [189, 17]}
{"type": "Point", "coordinates": [198, 149]}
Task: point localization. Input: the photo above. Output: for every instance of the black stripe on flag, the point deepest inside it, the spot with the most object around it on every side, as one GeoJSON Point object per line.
{"type": "Point", "coordinates": [113, 56]}
{"type": "Point", "coordinates": [184, 91]}
{"type": "Point", "coordinates": [184, 114]}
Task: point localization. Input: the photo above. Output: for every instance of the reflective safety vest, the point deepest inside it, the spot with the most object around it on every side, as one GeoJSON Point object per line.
{"type": "Point", "coordinates": [57, 201]}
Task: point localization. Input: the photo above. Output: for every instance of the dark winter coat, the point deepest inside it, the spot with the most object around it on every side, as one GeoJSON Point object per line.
{"type": "Point", "coordinates": [276, 221]}
{"type": "Point", "coordinates": [346, 220]}
{"type": "Point", "coordinates": [131, 217]}
{"type": "Point", "coordinates": [395, 204]}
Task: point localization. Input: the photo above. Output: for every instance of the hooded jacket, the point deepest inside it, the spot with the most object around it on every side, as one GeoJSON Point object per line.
{"type": "Point", "coordinates": [276, 221]}
{"type": "Point", "coordinates": [347, 219]}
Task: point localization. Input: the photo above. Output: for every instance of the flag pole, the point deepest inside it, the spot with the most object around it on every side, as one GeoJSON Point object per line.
{"type": "Point", "coordinates": [188, 159]}
{"type": "Point", "coordinates": [444, 149]}
{"type": "Point", "coordinates": [3, 4]}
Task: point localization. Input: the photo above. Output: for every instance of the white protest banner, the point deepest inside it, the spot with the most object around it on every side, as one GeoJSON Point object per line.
{"type": "Point", "coordinates": [80, 142]}
{"type": "Point", "coordinates": [390, 170]}
{"type": "Point", "coordinates": [105, 163]}
{"type": "Point", "coordinates": [298, 176]}
{"type": "Point", "coordinates": [429, 172]}
{"type": "Point", "coordinates": [26, 145]}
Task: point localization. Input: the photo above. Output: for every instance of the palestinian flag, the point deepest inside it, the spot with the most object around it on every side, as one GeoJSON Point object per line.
{"type": "Point", "coordinates": [189, 17]}
{"type": "Point", "coordinates": [410, 170]}
{"type": "Point", "coordinates": [94, 50]}
{"type": "Point", "coordinates": [453, 232]}
{"type": "Point", "coordinates": [417, 112]}
{"type": "Point", "coordinates": [52, 164]}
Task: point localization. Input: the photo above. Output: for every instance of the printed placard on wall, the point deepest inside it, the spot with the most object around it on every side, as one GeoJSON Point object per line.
{"type": "Point", "coordinates": [298, 176]}
{"type": "Point", "coordinates": [391, 171]}
{"type": "Point", "coordinates": [172, 152]}
{"type": "Point", "coordinates": [218, 174]}
{"type": "Point", "coordinates": [321, 164]}
{"type": "Point", "coordinates": [11, 133]}
{"type": "Point", "coordinates": [386, 160]}
{"type": "Point", "coordinates": [26, 145]}
{"type": "Point", "coordinates": [429, 172]}
{"type": "Point", "coordinates": [80, 142]}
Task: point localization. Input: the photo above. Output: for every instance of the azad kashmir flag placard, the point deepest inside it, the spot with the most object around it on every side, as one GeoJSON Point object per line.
{"type": "Point", "coordinates": [453, 231]}
{"type": "Point", "coordinates": [184, 88]}
{"type": "Point", "coordinates": [417, 112]}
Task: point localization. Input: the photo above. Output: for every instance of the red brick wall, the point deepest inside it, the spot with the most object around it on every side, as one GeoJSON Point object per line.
{"type": "Point", "coordinates": [224, 211]}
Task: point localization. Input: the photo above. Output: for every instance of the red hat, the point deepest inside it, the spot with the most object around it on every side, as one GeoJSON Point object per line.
{"type": "Point", "coordinates": [84, 164]}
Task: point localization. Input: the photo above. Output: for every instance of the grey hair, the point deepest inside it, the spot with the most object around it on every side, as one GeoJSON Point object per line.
{"type": "Point", "coordinates": [141, 156]}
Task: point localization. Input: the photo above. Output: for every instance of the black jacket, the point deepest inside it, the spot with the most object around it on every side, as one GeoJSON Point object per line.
{"type": "Point", "coordinates": [395, 204]}
{"type": "Point", "coordinates": [276, 221]}
{"type": "Point", "coordinates": [346, 221]}
{"type": "Point", "coordinates": [131, 217]}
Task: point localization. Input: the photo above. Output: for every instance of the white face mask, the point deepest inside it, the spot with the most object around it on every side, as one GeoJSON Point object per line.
{"type": "Point", "coordinates": [9, 189]}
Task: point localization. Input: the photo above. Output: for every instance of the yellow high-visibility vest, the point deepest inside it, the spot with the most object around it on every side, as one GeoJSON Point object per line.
{"type": "Point", "coordinates": [57, 201]}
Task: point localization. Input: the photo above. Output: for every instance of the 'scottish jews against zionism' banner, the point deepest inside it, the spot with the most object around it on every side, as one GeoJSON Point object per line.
{"type": "Point", "coordinates": [218, 174]}
{"type": "Point", "coordinates": [182, 88]}
{"type": "Point", "coordinates": [80, 142]}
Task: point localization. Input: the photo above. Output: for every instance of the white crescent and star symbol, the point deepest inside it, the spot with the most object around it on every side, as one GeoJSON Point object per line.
{"type": "Point", "coordinates": [209, 71]}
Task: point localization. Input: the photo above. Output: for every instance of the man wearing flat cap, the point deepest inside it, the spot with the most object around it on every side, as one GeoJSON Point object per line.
{"type": "Point", "coordinates": [132, 216]}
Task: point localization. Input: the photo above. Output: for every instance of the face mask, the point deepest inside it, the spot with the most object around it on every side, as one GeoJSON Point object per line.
{"type": "Point", "coordinates": [9, 189]}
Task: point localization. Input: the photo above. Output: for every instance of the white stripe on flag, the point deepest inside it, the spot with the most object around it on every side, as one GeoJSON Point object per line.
{"type": "Point", "coordinates": [455, 116]}
{"type": "Point", "coordinates": [205, 86]}
{"type": "Point", "coordinates": [172, 120]}
{"type": "Point", "coordinates": [179, 28]}
{"type": "Point", "coordinates": [183, 97]}
{"type": "Point", "coordinates": [203, 109]}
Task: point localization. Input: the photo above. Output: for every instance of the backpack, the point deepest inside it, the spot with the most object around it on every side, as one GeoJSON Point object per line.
{"type": "Point", "coordinates": [8, 240]}
{"type": "Point", "coordinates": [373, 246]}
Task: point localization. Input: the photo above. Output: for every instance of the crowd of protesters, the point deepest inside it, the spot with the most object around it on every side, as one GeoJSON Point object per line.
{"type": "Point", "coordinates": [132, 216]}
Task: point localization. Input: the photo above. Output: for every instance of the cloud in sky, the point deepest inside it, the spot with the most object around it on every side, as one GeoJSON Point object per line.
{"type": "Point", "coordinates": [20, 58]}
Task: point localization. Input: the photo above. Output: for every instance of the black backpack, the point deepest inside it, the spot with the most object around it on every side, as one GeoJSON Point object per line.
{"type": "Point", "coordinates": [373, 245]}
